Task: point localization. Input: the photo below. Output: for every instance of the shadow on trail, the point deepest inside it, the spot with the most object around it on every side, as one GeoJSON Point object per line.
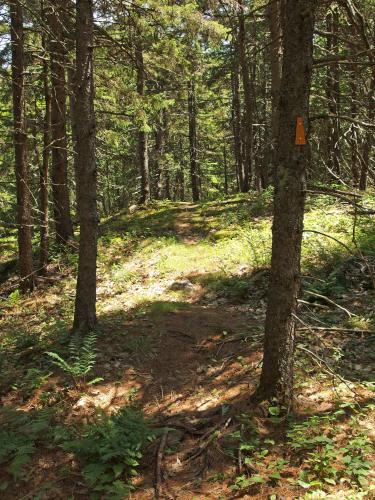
{"type": "Point", "coordinates": [192, 370]}
{"type": "Point", "coordinates": [165, 221]}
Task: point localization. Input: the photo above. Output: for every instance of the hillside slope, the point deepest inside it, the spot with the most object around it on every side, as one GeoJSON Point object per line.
{"type": "Point", "coordinates": [181, 305]}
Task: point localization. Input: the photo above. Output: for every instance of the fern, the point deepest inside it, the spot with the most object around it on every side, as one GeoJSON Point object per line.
{"type": "Point", "coordinates": [20, 436]}
{"type": "Point", "coordinates": [82, 357]}
{"type": "Point", "coordinates": [110, 451]}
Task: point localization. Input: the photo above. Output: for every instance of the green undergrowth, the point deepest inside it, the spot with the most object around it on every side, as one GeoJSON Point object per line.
{"type": "Point", "coordinates": [108, 450]}
{"type": "Point", "coordinates": [8, 247]}
{"type": "Point", "coordinates": [159, 261]}
{"type": "Point", "coordinates": [229, 235]}
{"type": "Point", "coordinates": [321, 454]}
{"type": "Point", "coordinates": [218, 245]}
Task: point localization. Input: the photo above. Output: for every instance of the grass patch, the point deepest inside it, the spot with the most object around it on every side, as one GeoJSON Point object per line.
{"type": "Point", "coordinates": [159, 307]}
{"type": "Point", "coordinates": [233, 287]}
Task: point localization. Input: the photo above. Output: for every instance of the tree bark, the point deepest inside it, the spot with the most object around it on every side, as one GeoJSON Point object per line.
{"type": "Point", "coordinates": [72, 113]}
{"type": "Point", "coordinates": [333, 95]}
{"type": "Point", "coordinates": [20, 148]}
{"type": "Point", "coordinates": [142, 134]}
{"type": "Point", "coordinates": [43, 174]}
{"type": "Point", "coordinates": [248, 100]}
{"type": "Point", "coordinates": [357, 20]}
{"type": "Point", "coordinates": [85, 303]}
{"type": "Point", "coordinates": [237, 125]}
{"type": "Point", "coordinates": [194, 169]}
{"type": "Point", "coordinates": [179, 190]}
{"type": "Point", "coordinates": [225, 161]}
{"type": "Point", "coordinates": [275, 11]}
{"type": "Point", "coordinates": [369, 139]}
{"type": "Point", "coordinates": [292, 160]}
{"type": "Point", "coordinates": [59, 171]}
{"type": "Point", "coordinates": [162, 187]}
{"type": "Point", "coordinates": [353, 128]}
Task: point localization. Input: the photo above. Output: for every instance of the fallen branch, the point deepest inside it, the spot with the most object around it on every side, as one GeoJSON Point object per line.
{"type": "Point", "coordinates": [158, 467]}
{"type": "Point", "coordinates": [332, 238]}
{"type": "Point", "coordinates": [233, 338]}
{"type": "Point", "coordinates": [328, 369]}
{"type": "Point", "coordinates": [215, 434]}
{"type": "Point", "coordinates": [320, 360]}
{"type": "Point", "coordinates": [342, 195]}
{"type": "Point", "coordinates": [312, 304]}
{"type": "Point", "coordinates": [190, 429]}
{"type": "Point", "coordinates": [332, 191]}
{"type": "Point", "coordinates": [329, 301]}
{"type": "Point", "coordinates": [183, 334]}
{"type": "Point", "coordinates": [337, 329]}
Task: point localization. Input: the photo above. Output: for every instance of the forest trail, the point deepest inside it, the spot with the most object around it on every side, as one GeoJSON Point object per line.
{"type": "Point", "coordinates": [181, 307]}
{"type": "Point", "coordinates": [191, 359]}
{"type": "Point", "coordinates": [187, 250]}
{"type": "Point", "coordinates": [184, 227]}
{"type": "Point", "coordinates": [194, 349]}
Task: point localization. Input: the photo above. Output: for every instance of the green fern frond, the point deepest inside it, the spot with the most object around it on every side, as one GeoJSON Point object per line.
{"type": "Point", "coordinates": [82, 356]}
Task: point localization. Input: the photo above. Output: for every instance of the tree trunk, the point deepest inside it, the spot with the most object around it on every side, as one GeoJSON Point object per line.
{"type": "Point", "coordinates": [256, 137]}
{"type": "Point", "coordinates": [248, 99]}
{"type": "Point", "coordinates": [85, 304]}
{"type": "Point", "coordinates": [353, 127]}
{"type": "Point", "coordinates": [142, 134]}
{"type": "Point", "coordinates": [333, 95]}
{"type": "Point", "coordinates": [194, 169]}
{"type": "Point", "coordinates": [292, 160]}
{"type": "Point", "coordinates": [275, 25]}
{"type": "Point", "coordinates": [237, 125]}
{"type": "Point", "coordinates": [225, 161]}
{"type": "Point", "coordinates": [369, 138]}
{"type": "Point", "coordinates": [180, 184]}
{"type": "Point", "coordinates": [162, 188]}
{"type": "Point", "coordinates": [72, 113]}
{"type": "Point", "coordinates": [167, 184]}
{"type": "Point", "coordinates": [60, 188]}
{"type": "Point", "coordinates": [180, 175]}
{"type": "Point", "coordinates": [20, 148]}
{"type": "Point", "coordinates": [358, 23]}
{"type": "Point", "coordinates": [43, 174]}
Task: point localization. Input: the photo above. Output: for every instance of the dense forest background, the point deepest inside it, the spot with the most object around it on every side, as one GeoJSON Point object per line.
{"type": "Point", "coordinates": [193, 84]}
{"type": "Point", "coordinates": [187, 264]}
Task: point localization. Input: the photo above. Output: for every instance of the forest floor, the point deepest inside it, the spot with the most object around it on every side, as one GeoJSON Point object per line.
{"type": "Point", "coordinates": [181, 307]}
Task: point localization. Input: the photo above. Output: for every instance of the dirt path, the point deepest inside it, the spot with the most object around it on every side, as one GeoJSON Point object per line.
{"type": "Point", "coordinates": [189, 371]}
{"type": "Point", "coordinates": [184, 227]}
{"type": "Point", "coordinates": [185, 349]}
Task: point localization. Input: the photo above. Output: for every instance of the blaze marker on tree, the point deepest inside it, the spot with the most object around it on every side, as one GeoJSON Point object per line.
{"type": "Point", "coordinates": [300, 133]}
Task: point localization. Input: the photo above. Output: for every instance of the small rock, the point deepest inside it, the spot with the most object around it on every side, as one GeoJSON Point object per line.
{"type": "Point", "coordinates": [181, 285]}
{"type": "Point", "coordinates": [243, 270]}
